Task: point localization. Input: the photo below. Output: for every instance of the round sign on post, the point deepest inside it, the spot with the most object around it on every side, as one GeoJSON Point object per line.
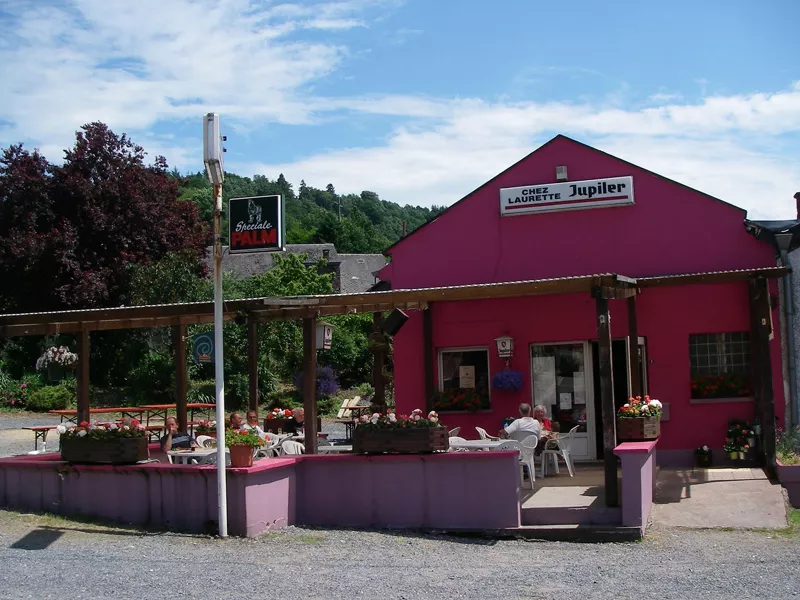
{"type": "Point", "coordinates": [505, 346]}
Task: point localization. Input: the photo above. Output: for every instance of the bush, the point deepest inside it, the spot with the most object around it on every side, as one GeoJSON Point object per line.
{"type": "Point", "coordinates": [152, 380]}
{"type": "Point", "coordinates": [51, 397]}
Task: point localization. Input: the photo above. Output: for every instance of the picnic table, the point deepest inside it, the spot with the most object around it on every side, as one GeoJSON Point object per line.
{"type": "Point", "coordinates": [162, 410]}
{"type": "Point", "coordinates": [71, 416]}
{"type": "Point", "coordinates": [40, 433]}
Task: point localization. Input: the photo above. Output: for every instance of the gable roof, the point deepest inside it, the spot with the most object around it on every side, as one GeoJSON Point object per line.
{"type": "Point", "coordinates": [547, 143]}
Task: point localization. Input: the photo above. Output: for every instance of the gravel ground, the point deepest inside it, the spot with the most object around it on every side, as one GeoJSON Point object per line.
{"type": "Point", "coordinates": [47, 557]}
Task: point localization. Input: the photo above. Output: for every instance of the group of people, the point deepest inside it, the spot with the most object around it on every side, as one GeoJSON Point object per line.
{"type": "Point", "coordinates": [173, 438]}
{"type": "Point", "coordinates": [526, 425]}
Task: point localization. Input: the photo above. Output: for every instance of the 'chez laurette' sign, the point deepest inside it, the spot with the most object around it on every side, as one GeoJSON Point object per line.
{"type": "Point", "coordinates": [566, 195]}
{"type": "Point", "coordinates": [256, 224]}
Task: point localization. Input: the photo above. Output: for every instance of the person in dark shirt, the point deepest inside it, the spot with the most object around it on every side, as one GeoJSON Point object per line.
{"type": "Point", "coordinates": [174, 438]}
{"type": "Point", "coordinates": [296, 425]}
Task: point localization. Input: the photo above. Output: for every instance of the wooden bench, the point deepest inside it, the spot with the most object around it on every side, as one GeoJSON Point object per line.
{"type": "Point", "coordinates": [40, 433]}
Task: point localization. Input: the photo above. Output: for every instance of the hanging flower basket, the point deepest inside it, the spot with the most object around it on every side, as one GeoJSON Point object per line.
{"type": "Point", "coordinates": [507, 380]}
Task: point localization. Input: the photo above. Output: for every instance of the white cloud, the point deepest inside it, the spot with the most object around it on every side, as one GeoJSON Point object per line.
{"type": "Point", "coordinates": [139, 66]}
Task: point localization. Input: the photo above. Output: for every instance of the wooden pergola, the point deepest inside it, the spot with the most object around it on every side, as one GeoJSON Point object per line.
{"type": "Point", "coordinates": [601, 287]}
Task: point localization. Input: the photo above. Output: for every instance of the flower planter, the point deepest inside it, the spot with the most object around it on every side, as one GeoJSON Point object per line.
{"type": "Point", "coordinates": [241, 455]}
{"type": "Point", "coordinates": [55, 372]}
{"type": "Point", "coordinates": [400, 441]}
{"type": "Point", "coordinates": [733, 455]}
{"type": "Point", "coordinates": [742, 455]}
{"type": "Point", "coordinates": [121, 451]}
{"type": "Point", "coordinates": [789, 476]}
{"type": "Point", "coordinates": [638, 429]}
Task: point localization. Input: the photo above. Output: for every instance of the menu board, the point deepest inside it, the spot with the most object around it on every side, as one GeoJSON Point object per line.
{"type": "Point", "coordinates": [466, 377]}
{"type": "Point", "coordinates": [565, 400]}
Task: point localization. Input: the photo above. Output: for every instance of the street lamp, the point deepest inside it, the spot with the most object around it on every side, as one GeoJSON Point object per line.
{"type": "Point", "coordinates": [212, 158]}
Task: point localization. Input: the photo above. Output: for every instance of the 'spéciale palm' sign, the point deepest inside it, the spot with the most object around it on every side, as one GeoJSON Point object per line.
{"type": "Point", "coordinates": [256, 224]}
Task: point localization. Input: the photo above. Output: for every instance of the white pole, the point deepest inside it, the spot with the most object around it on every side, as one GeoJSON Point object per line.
{"type": "Point", "coordinates": [219, 371]}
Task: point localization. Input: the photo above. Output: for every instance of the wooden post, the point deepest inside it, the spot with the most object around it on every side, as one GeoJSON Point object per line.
{"type": "Point", "coordinates": [252, 362]}
{"type": "Point", "coordinates": [427, 354]}
{"type": "Point", "coordinates": [178, 341]}
{"type": "Point", "coordinates": [634, 364]}
{"type": "Point", "coordinates": [762, 368]}
{"type": "Point", "coordinates": [83, 376]}
{"type": "Point", "coordinates": [607, 399]}
{"type": "Point", "coordinates": [378, 382]}
{"type": "Point", "coordinates": [310, 383]}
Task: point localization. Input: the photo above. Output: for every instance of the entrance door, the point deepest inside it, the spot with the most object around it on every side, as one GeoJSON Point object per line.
{"type": "Point", "coordinates": [564, 386]}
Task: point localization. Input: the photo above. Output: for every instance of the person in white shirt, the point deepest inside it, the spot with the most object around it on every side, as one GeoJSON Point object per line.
{"type": "Point", "coordinates": [522, 427]}
{"type": "Point", "coordinates": [252, 423]}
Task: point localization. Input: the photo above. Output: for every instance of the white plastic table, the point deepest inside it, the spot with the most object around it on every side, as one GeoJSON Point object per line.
{"type": "Point", "coordinates": [476, 444]}
{"type": "Point", "coordinates": [184, 457]}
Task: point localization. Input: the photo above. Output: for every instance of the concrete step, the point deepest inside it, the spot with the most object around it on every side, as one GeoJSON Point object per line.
{"type": "Point", "coordinates": [570, 515]}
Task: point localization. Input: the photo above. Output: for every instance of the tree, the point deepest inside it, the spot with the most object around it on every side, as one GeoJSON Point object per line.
{"type": "Point", "coordinates": [70, 233]}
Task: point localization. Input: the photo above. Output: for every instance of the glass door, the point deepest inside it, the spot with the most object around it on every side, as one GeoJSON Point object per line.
{"type": "Point", "coordinates": [564, 386]}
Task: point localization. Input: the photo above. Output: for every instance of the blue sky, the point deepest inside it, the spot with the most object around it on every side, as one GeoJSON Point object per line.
{"type": "Point", "coordinates": [419, 100]}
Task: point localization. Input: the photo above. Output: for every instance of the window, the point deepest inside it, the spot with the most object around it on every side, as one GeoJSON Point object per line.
{"type": "Point", "coordinates": [720, 364]}
{"type": "Point", "coordinates": [463, 380]}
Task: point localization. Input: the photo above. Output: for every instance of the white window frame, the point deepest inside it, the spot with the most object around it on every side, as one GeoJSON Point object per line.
{"type": "Point", "coordinates": [466, 349]}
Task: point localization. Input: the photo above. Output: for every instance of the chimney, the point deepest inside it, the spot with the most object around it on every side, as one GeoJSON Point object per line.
{"type": "Point", "coordinates": [797, 199]}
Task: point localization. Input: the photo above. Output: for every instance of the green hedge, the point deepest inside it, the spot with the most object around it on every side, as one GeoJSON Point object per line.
{"type": "Point", "coordinates": [51, 397]}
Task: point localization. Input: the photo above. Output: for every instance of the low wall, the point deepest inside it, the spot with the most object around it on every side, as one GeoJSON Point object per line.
{"type": "Point", "coordinates": [455, 490]}
{"type": "Point", "coordinates": [442, 491]}
{"type": "Point", "coordinates": [638, 481]}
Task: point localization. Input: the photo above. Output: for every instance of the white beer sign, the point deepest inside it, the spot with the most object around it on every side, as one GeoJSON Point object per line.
{"type": "Point", "coordinates": [566, 195]}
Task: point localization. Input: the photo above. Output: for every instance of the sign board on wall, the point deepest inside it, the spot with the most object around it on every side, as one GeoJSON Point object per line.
{"type": "Point", "coordinates": [466, 377]}
{"type": "Point", "coordinates": [256, 224]}
{"type": "Point", "coordinates": [566, 195]}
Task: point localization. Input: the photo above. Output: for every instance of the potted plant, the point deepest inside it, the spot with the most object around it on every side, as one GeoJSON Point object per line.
{"type": "Point", "coordinates": [787, 451]}
{"type": "Point", "coordinates": [207, 427]}
{"type": "Point", "coordinates": [55, 360]}
{"type": "Point", "coordinates": [109, 443]}
{"type": "Point", "coordinates": [703, 456]}
{"type": "Point", "coordinates": [240, 444]}
{"type": "Point", "coordinates": [402, 434]}
{"type": "Point", "coordinates": [507, 380]}
{"type": "Point", "coordinates": [734, 449]}
{"type": "Point", "coordinates": [639, 419]}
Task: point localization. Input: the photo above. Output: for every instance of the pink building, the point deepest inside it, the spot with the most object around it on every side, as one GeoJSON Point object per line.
{"type": "Point", "coordinates": [603, 215]}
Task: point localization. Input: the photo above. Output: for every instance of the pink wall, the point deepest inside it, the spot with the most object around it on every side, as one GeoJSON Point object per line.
{"type": "Point", "coordinates": [670, 229]}
{"type": "Point", "coordinates": [414, 491]}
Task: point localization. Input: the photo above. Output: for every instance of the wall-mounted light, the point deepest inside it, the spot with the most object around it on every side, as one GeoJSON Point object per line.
{"type": "Point", "coordinates": [505, 346]}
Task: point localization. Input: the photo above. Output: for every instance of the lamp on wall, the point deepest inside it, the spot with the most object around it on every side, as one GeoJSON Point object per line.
{"type": "Point", "coordinates": [505, 346]}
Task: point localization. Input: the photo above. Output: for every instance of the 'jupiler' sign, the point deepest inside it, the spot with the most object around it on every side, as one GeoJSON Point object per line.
{"type": "Point", "coordinates": [256, 224]}
{"type": "Point", "coordinates": [566, 195]}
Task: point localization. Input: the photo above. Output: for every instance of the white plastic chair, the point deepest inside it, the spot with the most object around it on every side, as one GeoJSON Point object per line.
{"type": "Point", "coordinates": [211, 459]}
{"type": "Point", "coordinates": [527, 454]}
{"type": "Point", "coordinates": [205, 441]}
{"type": "Point", "coordinates": [454, 432]}
{"type": "Point", "coordinates": [270, 450]}
{"type": "Point", "coordinates": [559, 447]}
{"type": "Point", "coordinates": [484, 435]}
{"type": "Point", "coordinates": [291, 447]}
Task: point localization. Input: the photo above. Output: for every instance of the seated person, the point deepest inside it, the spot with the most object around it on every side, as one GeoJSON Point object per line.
{"type": "Point", "coordinates": [252, 423]}
{"type": "Point", "coordinates": [296, 425]}
{"type": "Point", "coordinates": [236, 421]}
{"type": "Point", "coordinates": [522, 427]}
{"type": "Point", "coordinates": [546, 425]}
{"type": "Point", "coordinates": [176, 439]}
